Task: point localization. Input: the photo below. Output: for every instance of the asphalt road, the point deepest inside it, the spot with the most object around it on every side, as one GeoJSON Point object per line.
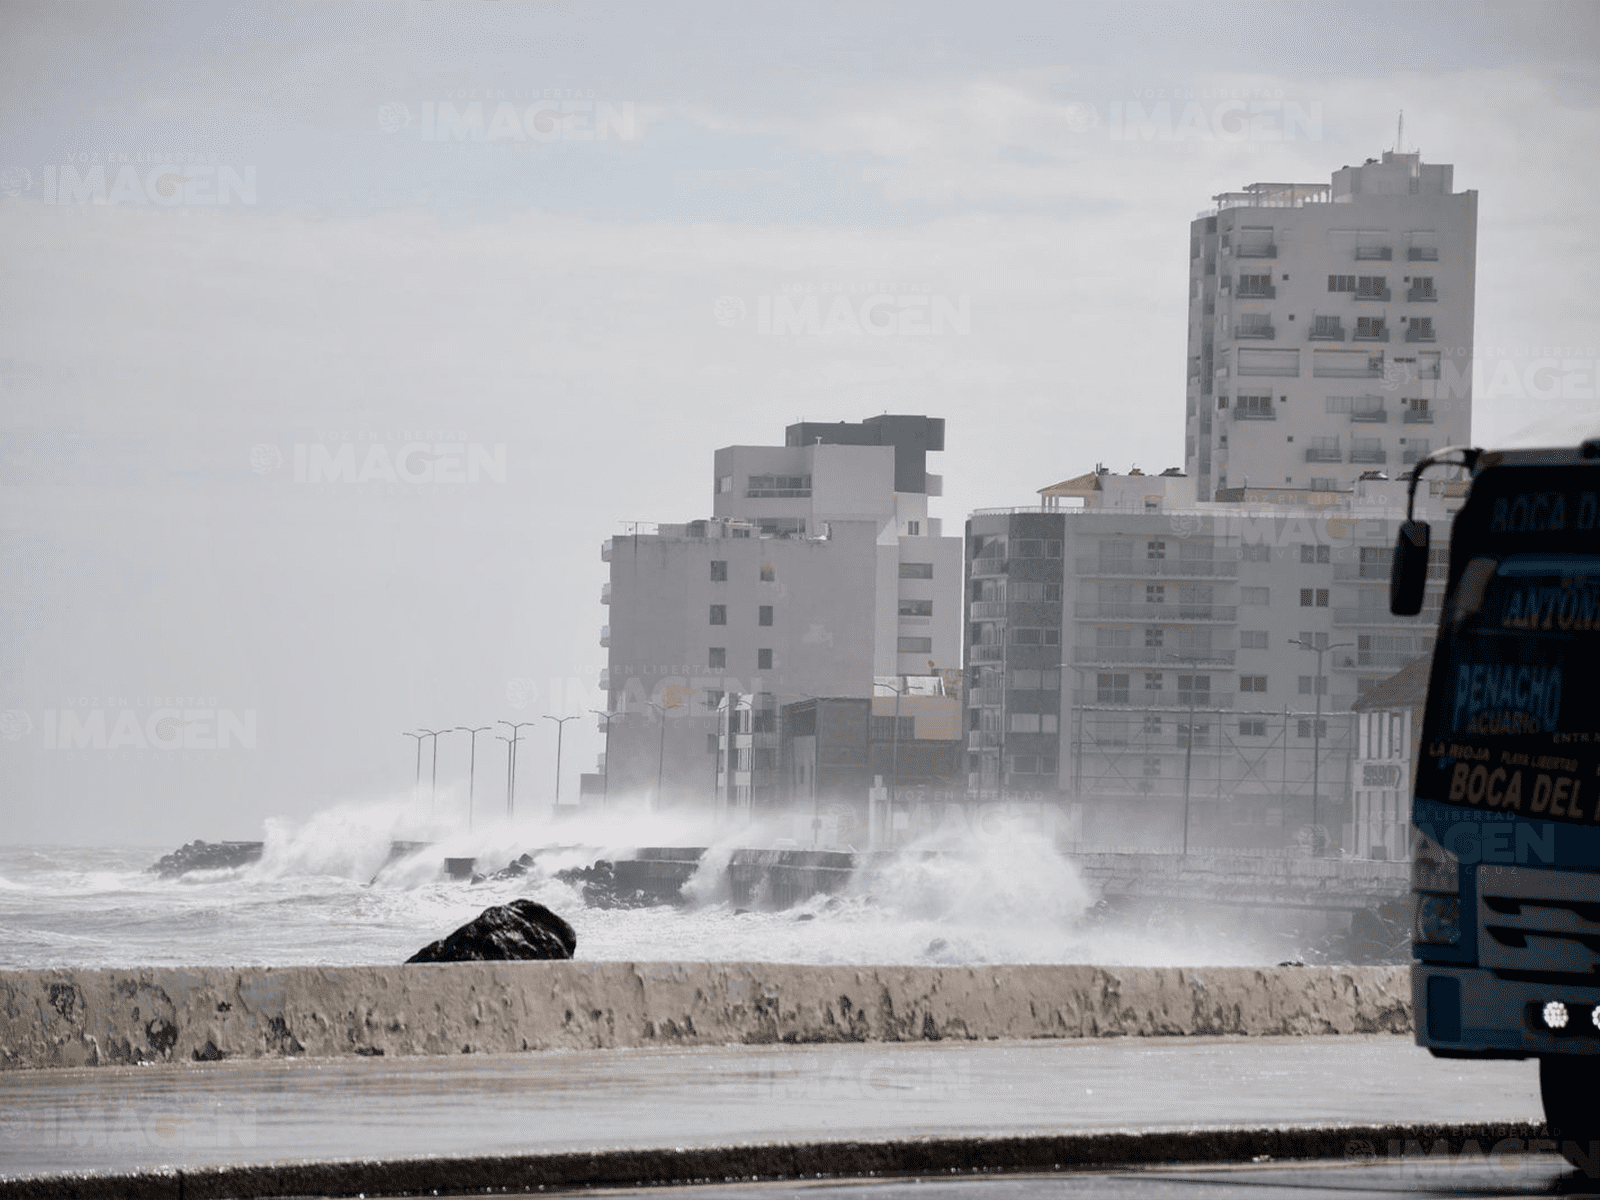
{"type": "Point", "coordinates": [133, 1118]}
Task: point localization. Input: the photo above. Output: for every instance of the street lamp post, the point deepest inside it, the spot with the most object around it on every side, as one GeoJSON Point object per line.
{"type": "Point", "coordinates": [561, 725]}
{"type": "Point", "coordinates": [1316, 728]}
{"type": "Point", "coordinates": [1188, 745]}
{"type": "Point", "coordinates": [416, 785]}
{"type": "Point", "coordinates": [516, 728]}
{"type": "Point", "coordinates": [894, 754]}
{"type": "Point", "coordinates": [433, 785]}
{"type": "Point", "coordinates": [605, 773]}
{"type": "Point", "coordinates": [472, 764]}
{"type": "Point", "coordinates": [661, 753]}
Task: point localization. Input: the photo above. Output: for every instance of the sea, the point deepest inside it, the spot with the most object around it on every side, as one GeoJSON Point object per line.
{"type": "Point", "coordinates": [322, 894]}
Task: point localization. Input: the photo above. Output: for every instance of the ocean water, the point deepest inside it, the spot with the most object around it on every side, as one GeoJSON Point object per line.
{"type": "Point", "coordinates": [313, 900]}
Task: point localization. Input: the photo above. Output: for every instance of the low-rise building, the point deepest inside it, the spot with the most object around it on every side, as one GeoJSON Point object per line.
{"type": "Point", "coordinates": [1388, 732]}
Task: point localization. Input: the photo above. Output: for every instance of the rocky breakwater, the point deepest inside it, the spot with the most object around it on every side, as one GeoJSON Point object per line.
{"type": "Point", "coordinates": [523, 929]}
{"type": "Point", "coordinates": [206, 856]}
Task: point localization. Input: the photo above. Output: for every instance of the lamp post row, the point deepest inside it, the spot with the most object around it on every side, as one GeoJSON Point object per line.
{"type": "Point", "coordinates": [511, 742]}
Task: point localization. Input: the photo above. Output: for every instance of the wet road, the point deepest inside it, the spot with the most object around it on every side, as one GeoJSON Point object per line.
{"type": "Point", "coordinates": [1490, 1176]}
{"type": "Point", "coordinates": [124, 1118]}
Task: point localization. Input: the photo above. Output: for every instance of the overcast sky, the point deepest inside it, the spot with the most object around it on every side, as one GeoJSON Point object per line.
{"type": "Point", "coordinates": [571, 310]}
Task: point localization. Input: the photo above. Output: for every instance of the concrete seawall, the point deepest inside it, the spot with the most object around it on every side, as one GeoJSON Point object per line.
{"type": "Point", "coordinates": [68, 1018]}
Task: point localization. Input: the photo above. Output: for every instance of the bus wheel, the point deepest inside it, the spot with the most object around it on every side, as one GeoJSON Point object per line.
{"type": "Point", "coordinates": [1571, 1105]}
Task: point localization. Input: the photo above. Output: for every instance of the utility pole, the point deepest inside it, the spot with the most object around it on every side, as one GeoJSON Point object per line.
{"type": "Point", "coordinates": [605, 772]}
{"type": "Point", "coordinates": [433, 786]}
{"type": "Point", "coordinates": [1188, 745]}
{"type": "Point", "coordinates": [416, 786]}
{"type": "Point", "coordinates": [894, 759]}
{"type": "Point", "coordinates": [661, 753]}
{"type": "Point", "coordinates": [472, 767]}
{"type": "Point", "coordinates": [561, 725]}
{"type": "Point", "coordinates": [1316, 734]}
{"type": "Point", "coordinates": [516, 728]}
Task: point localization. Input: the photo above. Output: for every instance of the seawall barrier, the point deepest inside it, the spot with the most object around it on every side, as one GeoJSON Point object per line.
{"type": "Point", "coordinates": [72, 1018]}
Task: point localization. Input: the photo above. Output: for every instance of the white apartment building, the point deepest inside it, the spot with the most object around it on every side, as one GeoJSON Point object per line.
{"type": "Point", "coordinates": [1130, 644]}
{"type": "Point", "coordinates": [819, 571]}
{"type": "Point", "coordinates": [1330, 327]}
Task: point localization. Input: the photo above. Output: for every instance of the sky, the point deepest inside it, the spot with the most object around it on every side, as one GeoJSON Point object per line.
{"type": "Point", "coordinates": [320, 397]}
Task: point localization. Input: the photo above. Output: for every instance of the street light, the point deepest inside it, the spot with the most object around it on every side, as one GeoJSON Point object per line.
{"type": "Point", "coordinates": [1316, 729]}
{"type": "Point", "coordinates": [511, 760]}
{"type": "Point", "coordinates": [605, 773]}
{"type": "Point", "coordinates": [894, 759]}
{"type": "Point", "coordinates": [416, 785]}
{"type": "Point", "coordinates": [1188, 743]}
{"type": "Point", "coordinates": [472, 768]}
{"type": "Point", "coordinates": [561, 725]}
{"type": "Point", "coordinates": [661, 754]}
{"type": "Point", "coordinates": [433, 786]}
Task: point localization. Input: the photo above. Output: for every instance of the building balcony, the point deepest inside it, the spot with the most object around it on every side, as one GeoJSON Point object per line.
{"type": "Point", "coordinates": [1371, 457]}
{"type": "Point", "coordinates": [1157, 655]}
{"type": "Point", "coordinates": [1421, 295]}
{"type": "Point", "coordinates": [990, 697]}
{"type": "Point", "coordinates": [1423, 254]}
{"type": "Point", "coordinates": [986, 654]}
{"type": "Point", "coordinates": [1155, 612]}
{"type": "Point", "coordinates": [1420, 335]}
{"type": "Point", "coordinates": [1261, 333]}
{"type": "Point", "coordinates": [1374, 253]}
{"type": "Point", "coordinates": [1361, 572]}
{"type": "Point", "coordinates": [605, 592]}
{"type": "Point", "coordinates": [980, 739]}
{"type": "Point", "coordinates": [1375, 660]}
{"type": "Point", "coordinates": [1373, 335]}
{"type": "Point", "coordinates": [1369, 416]}
{"type": "Point", "coordinates": [605, 550]}
{"type": "Point", "coordinates": [1318, 454]}
{"type": "Point", "coordinates": [1256, 292]}
{"type": "Point", "coordinates": [605, 635]}
{"type": "Point", "coordinates": [1255, 414]}
{"type": "Point", "coordinates": [1346, 614]}
{"type": "Point", "coordinates": [1381, 294]}
{"type": "Point", "coordinates": [988, 566]}
{"type": "Point", "coordinates": [986, 609]}
{"type": "Point", "coordinates": [1171, 699]}
{"type": "Point", "coordinates": [1413, 416]}
{"type": "Point", "coordinates": [1166, 568]}
{"type": "Point", "coordinates": [1327, 333]}
{"type": "Point", "coordinates": [1258, 251]}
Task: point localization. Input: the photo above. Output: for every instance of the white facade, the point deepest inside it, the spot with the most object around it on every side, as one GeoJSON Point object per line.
{"type": "Point", "coordinates": [1381, 809]}
{"type": "Point", "coordinates": [1330, 327]}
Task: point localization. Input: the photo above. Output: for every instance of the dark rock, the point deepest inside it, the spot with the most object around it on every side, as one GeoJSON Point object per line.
{"type": "Point", "coordinates": [938, 946]}
{"type": "Point", "coordinates": [806, 917]}
{"type": "Point", "coordinates": [602, 889]}
{"type": "Point", "coordinates": [522, 929]}
{"type": "Point", "coordinates": [206, 856]}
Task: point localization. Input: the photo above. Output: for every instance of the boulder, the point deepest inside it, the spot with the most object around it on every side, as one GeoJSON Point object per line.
{"type": "Point", "coordinates": [206, 856]}
{"type": "Point", "coordinates": [521, 929]}
{"type": "Point", "coordinates": [602, 889]}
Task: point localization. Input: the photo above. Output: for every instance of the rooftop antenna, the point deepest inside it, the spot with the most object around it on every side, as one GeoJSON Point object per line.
{"type": "Point", "coordinates": [1400, 133]}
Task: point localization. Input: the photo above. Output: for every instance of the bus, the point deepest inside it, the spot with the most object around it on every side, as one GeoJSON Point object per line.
{"type": "Point", "coordinates": [1506, 800]}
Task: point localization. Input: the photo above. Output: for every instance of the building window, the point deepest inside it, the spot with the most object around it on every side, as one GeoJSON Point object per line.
{"type": "Point", "coordinates": [1025, 764]}
{"type": "Point", "coordinates": [718, 657]}
{"type": "Point", "coordinates": [1052, 550]}
{"type": "Point", "coordinates": [913, 528]}
{"type": "Point", "coordinates": [1313, 597]}
{"type": "Point", "coordinates": [719, 614]}
{"type": "Point", "coordinates": [1313, 641]}
{"type": "Point", "coordinates": [1152, 681]}
{"type": "Point", "coordinates": [916, 608]}
{"type": "Point", "coordinates": [1305, 728]}
{"type": "Point", "coordinates": [1370, 329]}
{"type": "Point", "coordinates": [764, 615]}
{"type": "Point", "coordinates": [882, 729]}
{"type": "Point", "coordinates": [1253, 727]}
{"type": "Point", "coordinates": [768, 487]}
{"type": "Point", "coordinates": [916, 645]}
{"type": "Point", "coordinates": [1252, 683]}
{"type": "Point", "coordinates": [1035, 637]}
{"type": "Point", "coordinates": [1152, 764]}
{"type": "Point", "coordinates": [1155, 593]}
{"type": "Point", "coordinates": [916, 570]}
{"type": "Point", "coordinates": [1194, 689]}
{"type": "Point", "coordinates": [1154, 550]}
{"type": "Point", "coordinates": [1315, 554]}
{"type": "Point", "coordinates": [1152, 724]}
{"type": "Point", "coordinates": [719, 571]}
{"type": "Point", "coordinates": [1341, 283]}
{"type": "Point", "coordinates": [724, 484]}
{"type": "Point", "coordinates": [1255, 595]}
{"type": "Point", "coordinates": [1111, 689]}
{"type": "Point", "coordinates": [763, 660]}
{"type": "Point", "coordinates": [768, 573]}
{"type": "Point", "coordinates": [1154, 636]}
{"type": "Point", "coordinates": [1252, 639]}
{"type": "Point", "coordinates": [1255, 552]}
{"type": "Point", "coordinates": [1028, 548]}
{"type": "Point", "coordinates": [1321, 682]}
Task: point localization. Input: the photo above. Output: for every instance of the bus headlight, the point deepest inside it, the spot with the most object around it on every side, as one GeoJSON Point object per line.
{"type": "Point", "coordinates": [1438, 920]}
{"type": "Point", "coordinates": [1433, 868]}
{"type": "Point", "coordinates": [1555, 1015]}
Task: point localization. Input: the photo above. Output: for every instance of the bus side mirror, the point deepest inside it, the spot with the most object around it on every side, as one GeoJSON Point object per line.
{"type": "Point", "coordinates": [1408, 575]}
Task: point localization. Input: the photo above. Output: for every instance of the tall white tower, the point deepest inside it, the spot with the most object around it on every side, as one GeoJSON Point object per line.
{"type": "Point", "coordinates": [1330, 327]}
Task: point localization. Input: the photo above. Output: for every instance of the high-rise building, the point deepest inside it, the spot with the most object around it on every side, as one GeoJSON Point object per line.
{"type": "Point", "coordinates": [1131, 647]}
{"type": "Point", "coordinates": [1330, 327]}
{"type": "Point", "coordinates": [819, 572]}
